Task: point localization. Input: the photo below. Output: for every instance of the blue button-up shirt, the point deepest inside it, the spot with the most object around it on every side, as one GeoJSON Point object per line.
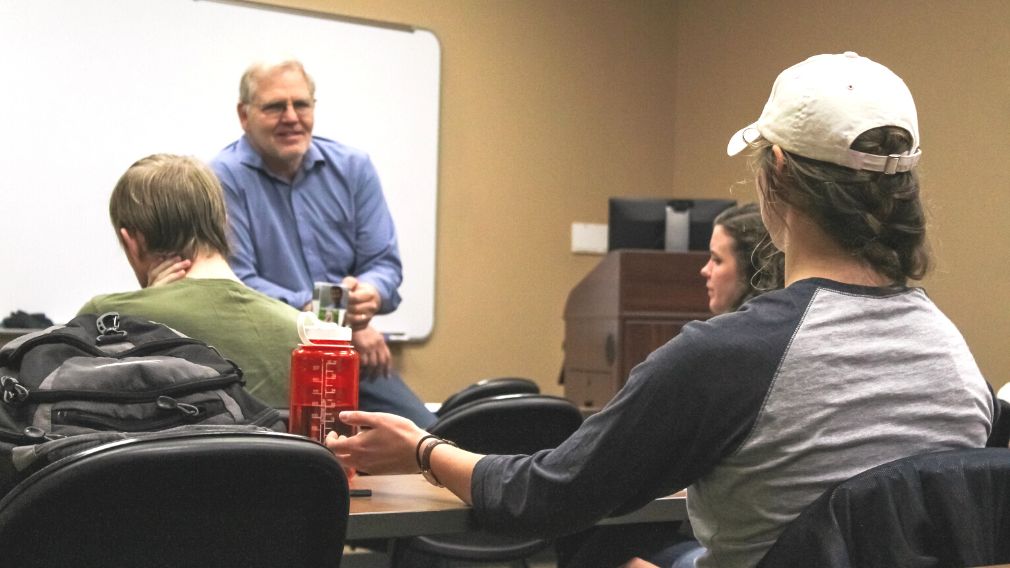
{"type": "Point", "coordinates": [331, 221]}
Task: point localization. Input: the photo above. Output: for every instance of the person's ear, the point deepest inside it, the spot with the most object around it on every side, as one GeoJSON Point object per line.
{"type": "Point", "coordinates": [780, 158]}
{"type": "Point", "coordinates": [243, 116]}
{"type": "Point", "coordinates": [135, 247]}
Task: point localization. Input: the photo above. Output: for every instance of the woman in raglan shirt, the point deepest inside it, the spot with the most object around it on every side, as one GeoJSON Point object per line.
{"type": "Point", "coordinates": [757, 412]}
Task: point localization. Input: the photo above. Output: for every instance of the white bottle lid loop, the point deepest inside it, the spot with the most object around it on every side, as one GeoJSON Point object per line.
{"type": "Point", "coordinates": [312, 329]}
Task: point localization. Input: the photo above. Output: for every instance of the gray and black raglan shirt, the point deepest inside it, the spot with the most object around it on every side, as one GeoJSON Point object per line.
{"type": "Point", "coordinates": [757, 413]}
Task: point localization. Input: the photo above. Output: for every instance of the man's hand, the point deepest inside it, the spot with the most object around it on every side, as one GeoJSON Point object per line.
{"type": "Point", "coordinates": [362, 303]}
{"type": "Point", "coordinates": [374, 353]}
{"type": "Point", "coordinates": [170, 270]}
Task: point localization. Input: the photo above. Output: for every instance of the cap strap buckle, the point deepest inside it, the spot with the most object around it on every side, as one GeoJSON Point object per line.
{"type": "Point", "coordinates": [891, 164]}
{"type": "Point", "coordinates": [887, 165]}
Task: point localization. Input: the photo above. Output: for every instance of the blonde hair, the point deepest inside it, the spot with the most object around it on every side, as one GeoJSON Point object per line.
{"type": "Point", "coordinates": [251, 78]}
{"type": "Point", "coordinates": [175, 202]}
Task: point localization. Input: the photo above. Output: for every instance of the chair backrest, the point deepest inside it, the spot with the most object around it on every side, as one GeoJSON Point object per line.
{"type": "Point", "coordinates": [486, 388]}
{"type": "Point", "coordinates": [181, 499]}
{"type": "Point", "coordinates": [1000, 435]}
{"type": "Point", "coordinates": [504, 424]}
{"type": "Point", "coordinates": [510, 423]}
{"type": "Point", "coordinates": [948, 508]}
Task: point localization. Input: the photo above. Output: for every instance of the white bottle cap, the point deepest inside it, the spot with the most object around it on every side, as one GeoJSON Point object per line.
{"type": "Point", "coordinates": [311, 328]}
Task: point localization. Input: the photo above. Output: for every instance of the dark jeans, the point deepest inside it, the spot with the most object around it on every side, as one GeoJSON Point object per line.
{"type": "Point", "coordinates": [609, 546]}
{"type": "Point", "coordinates": [390, 394]}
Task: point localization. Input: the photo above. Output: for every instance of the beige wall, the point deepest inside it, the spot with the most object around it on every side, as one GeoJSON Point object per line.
{"type": "Point", "coordinates": [550, 106]}
{"type": "Point", "coordinates": [955, 57]}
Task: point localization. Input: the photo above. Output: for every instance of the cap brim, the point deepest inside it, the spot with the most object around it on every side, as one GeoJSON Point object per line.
{"type": "Point", "coordinates": [742, 139]}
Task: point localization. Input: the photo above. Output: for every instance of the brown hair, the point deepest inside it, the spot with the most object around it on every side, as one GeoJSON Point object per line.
{"type": "Point", "coordinates": [760, 264]}
{"type": "Point", "coordinates": [176, 202]}
{"type": "Point", "coordinates": [875, 216]}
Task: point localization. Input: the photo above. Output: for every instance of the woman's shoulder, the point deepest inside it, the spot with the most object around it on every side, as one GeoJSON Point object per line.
{"type": "Point", "coordinates": [760, 317]}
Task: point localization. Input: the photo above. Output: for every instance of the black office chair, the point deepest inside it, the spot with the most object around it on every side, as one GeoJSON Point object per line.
{"type": "Point", "coordinates": [181, 499]}
{"type": "Point", "coordinates": [505, 424]}
{"type": "Point", "coordinates": [487, 388]}
{"type": "Point", "coordinates": [947, 508]}
{"type": "Point", "coordinates": [999, 437]}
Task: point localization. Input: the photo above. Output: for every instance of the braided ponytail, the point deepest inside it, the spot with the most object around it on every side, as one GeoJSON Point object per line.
{"type": "Point", "coordinates": [875, 216]}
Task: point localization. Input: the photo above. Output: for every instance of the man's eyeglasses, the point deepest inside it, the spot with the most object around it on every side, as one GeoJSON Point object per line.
{"type": "Point", "coordinates": [277, 108]}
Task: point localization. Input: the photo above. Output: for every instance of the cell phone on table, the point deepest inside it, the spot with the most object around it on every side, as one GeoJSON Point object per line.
{"type": "Point", "coordinates": [329, 301]}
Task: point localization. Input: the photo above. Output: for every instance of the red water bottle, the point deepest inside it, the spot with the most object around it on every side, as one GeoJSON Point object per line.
{"type": "Point", "coordinates": [324, 378]}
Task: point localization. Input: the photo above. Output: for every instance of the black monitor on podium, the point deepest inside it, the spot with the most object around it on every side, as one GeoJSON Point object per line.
{"type": "Point", "coordinates": [640, 222]}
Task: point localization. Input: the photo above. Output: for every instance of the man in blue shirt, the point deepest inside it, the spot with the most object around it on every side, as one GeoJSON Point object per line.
{"type": "Point", "coordinates": [307, 209]}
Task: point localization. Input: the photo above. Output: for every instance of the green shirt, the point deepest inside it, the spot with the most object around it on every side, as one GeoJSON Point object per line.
{"type": "Point", "coordinates": [257, 332]}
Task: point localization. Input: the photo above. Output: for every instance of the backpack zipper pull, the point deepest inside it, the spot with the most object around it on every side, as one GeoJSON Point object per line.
{"type": "Point", "coordinates": [108, 329]}
{"type": "Point", "coordinates": [38, 435]}
{"type": "Point", "coordinates": [169, 403]}
{"type": "Point", "coordinates": [14, 393]}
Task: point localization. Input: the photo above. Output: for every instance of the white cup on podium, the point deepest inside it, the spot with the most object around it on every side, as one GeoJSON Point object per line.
{"type": "Point", "coordinates": [678, 226]}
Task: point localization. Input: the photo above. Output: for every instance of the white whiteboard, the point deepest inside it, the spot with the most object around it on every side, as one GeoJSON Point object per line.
{"type": "Point", "coordinates": [93, 85]}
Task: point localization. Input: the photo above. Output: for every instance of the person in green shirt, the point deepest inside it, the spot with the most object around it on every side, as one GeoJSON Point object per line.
{"type": "Point", "coordinates": [170, 217]}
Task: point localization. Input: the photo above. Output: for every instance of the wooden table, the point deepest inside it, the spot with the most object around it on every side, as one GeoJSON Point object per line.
{"type": "Point", "coordinates": [407, 505]}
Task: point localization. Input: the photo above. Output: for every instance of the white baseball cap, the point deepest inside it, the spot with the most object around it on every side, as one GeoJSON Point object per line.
{"type": "Point", "coordinates": [818, 107]}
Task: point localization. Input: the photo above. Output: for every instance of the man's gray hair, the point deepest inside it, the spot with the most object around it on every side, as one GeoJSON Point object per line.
{"type": "Point", "coordinates": [256, 71]}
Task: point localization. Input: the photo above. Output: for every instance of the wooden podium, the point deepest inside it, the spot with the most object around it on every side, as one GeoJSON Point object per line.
{"type": "Point", "coordinates": [632, 302]}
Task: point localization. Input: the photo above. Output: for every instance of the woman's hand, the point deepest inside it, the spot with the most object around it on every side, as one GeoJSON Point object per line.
{"type": "Point", "coordinates": [170, 270]}
{"type": "Point", "coordinates": [385, 443]}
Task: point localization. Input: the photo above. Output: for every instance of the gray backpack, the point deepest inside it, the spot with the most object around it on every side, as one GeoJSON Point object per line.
{"type": "Point", "coordinates": [103, 378]}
